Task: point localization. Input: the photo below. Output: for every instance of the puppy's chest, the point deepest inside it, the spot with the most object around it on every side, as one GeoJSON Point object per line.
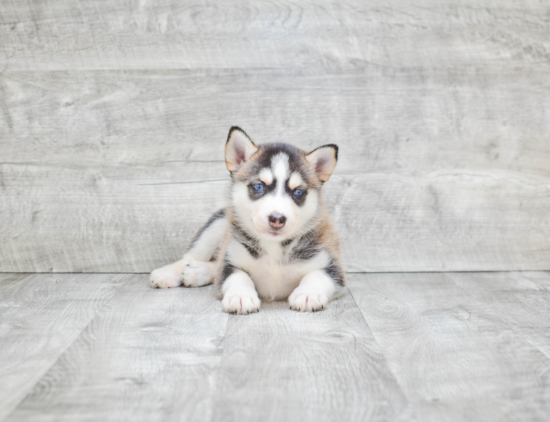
{"type": "Point", "coordinates": [274, 278]}
{"type": "Point", "coordinates": [274, 273]}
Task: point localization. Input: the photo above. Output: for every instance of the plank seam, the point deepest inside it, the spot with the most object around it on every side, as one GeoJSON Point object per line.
{"type": "Point", "coordinates": [409, 404]}
{"type": "Point", "coordinates": [66, 348]}
{"type": "Point", "coordinates": [218, 369]}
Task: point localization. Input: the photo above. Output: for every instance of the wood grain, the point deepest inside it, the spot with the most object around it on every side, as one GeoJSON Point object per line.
{"type": "Point", "coordinates": [540, 278]}
{"type": "Point", "coordinates": [426, 347]}
{"type": "Point", "coordinates": [440, 169]}
{"type": "Point", "coordinates": [282, 365]}
{"type": "Point", "coordinates": [40, 316]}
{"type": "Point", "coordinates": [174, 355]}
{"type": "Point", "coordinates": [150, 355]}
{"type": "Point", "coordinates": [9, 283]}
{"type": "Point", "coordinates": [452, 350]}
{"type": "Point", "coordinates": [521, 300]}
{"type": "Point", "coordinates": [168, 34]}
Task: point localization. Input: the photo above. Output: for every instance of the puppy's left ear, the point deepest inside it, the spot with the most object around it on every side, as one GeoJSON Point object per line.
{"type": "Point", "coordinates": [238, 149]}
{"type": "Point", "coordinates": [323, 160]}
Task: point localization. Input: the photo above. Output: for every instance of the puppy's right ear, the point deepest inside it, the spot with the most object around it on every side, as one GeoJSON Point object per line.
{"type": "Point", "coordinates": [238, 149]}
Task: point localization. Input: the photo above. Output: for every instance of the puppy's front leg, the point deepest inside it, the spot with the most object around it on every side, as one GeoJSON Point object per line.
{"type": "Point", "coordinates": [314, 292]}
{"type": "Point", "coordinates": [239, 294]}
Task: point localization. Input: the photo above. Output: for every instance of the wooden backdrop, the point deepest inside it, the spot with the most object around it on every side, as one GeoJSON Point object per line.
{"type": "Point", "coordinates": [114, 114]}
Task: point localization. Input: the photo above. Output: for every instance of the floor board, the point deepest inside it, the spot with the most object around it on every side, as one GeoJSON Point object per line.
{"type": "Point", "coordinates": [151, 355]}
{"type": "Point", "coordinates": [521, 300]}
{"type": "Point", "coordinates": [41, 315]}
{"type": "Point", "coordinates": [452, 349]}
{"type": "Point", "coordinates": [401, 346]}
{"type": "Point", "coordinates": [282, 365]}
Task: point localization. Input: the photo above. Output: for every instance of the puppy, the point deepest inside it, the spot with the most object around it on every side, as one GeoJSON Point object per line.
{"type": "Point", "coordinates": [275, 240]}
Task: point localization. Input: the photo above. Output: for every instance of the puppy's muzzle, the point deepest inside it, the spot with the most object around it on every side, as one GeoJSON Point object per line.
{"type": "Point", "coordinates": [276, 220]}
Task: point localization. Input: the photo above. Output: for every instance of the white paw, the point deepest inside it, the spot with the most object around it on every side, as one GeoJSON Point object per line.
{"type": "Point", "coordinates": [165, 277]}
{"type": "Point", "coordinates": [197, 273]}
{"type": "Point", "coordinates": [303, 301]}
{"type": "Point", "coordinates": [243, 302]}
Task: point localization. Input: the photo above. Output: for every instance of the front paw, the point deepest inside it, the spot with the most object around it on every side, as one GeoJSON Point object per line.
{"type": "Point", "coordinates": [242, 303]}
{"type": "Point", "coordinates": [304, 301]}
{"type": "Point", "coordinates": [165, 277]}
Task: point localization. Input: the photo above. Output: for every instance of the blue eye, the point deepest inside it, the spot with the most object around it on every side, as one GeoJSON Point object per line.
{"type": "Point", "coordinates": [298, 192]}
{"type": "Point", "coordinates": [259, 187]}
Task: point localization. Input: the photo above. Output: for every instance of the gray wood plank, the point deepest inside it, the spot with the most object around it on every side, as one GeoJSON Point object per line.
{"type": "Point", "coordinates": [280, 365]}
{"type": "Point", "coordinates": [157, 355]}
{"type": "Point", "coordinates": [40, 316]}
{"type": "Point", "coordinates": [454, 359]}
{"type": "Point", "coordinates": [150, 355]}
{"type": "Point", "coordinates": [102, 34]}
{"type": "Point", "coordinates": [441, 347]}
{"type": "Point", "coordinates": [440, 169]}
{"type": "Point", "coordinates": [521, 300]}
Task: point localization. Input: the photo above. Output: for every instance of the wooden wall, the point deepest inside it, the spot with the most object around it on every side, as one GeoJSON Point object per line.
{"type": "Point", "coordinates": [113, 116]}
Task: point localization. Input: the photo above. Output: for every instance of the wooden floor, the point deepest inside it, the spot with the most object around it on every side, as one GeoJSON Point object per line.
{"type": "Point", "coordinates": [397, 346]}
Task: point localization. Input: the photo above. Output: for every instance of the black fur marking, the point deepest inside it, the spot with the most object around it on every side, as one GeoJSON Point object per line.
{"type": "Point", "coordinates": [252, 251]}
{"type": "Point", "coordinates": [226, 271]}
{"type": "Point", "coordinates": [335, 272]}
{"type": "Point", "coordinates": [247, 241]}
{"type": "Point", "coordinates": [287, 242]}
{"type": "Point", "coordinates": [216, 216]}
{"type": "Point", "coordinates": [254, 194]}
{"type": "Point", "coordinates": [298, 200]}
{"type": "Point", "coordinates": [268, 151]}
{"type": "Point", "coordinates": [307, 247]}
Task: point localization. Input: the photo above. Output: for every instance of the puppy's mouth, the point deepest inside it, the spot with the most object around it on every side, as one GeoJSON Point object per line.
{"type": "Point", "coordinates": [272, 233]}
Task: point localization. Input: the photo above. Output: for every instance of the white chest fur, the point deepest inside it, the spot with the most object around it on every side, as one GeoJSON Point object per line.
{"type": "Point", "coordinates": [274, 276]}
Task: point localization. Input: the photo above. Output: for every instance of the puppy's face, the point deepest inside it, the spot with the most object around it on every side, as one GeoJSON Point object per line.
{"type": "Point", "coordinates": [275, 190]}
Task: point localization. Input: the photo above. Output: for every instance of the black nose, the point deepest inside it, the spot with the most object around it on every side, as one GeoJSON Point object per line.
{"type": "Point", "coordinates": [277, 220]}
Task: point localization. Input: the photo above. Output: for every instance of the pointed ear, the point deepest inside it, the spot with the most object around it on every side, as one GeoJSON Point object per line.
{"type": "Point", "coordinates": [323, 160]}
{"type": "Point", "coordinates": [238, 148]}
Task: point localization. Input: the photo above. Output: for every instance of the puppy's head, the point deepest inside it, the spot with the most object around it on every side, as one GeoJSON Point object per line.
{"type": "Point", "coordinates": [275, 189]}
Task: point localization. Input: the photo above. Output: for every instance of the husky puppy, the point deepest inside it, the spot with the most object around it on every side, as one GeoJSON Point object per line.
{"type": "Point", "coordinates": [275, 240]}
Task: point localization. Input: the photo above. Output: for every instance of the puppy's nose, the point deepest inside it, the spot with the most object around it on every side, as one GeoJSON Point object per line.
{"type": "Point", "coordinates": [277, 220]}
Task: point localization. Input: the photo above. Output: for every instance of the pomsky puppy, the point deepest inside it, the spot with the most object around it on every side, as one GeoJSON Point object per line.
{"type": "Point", "coordinates": [275, 240]}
